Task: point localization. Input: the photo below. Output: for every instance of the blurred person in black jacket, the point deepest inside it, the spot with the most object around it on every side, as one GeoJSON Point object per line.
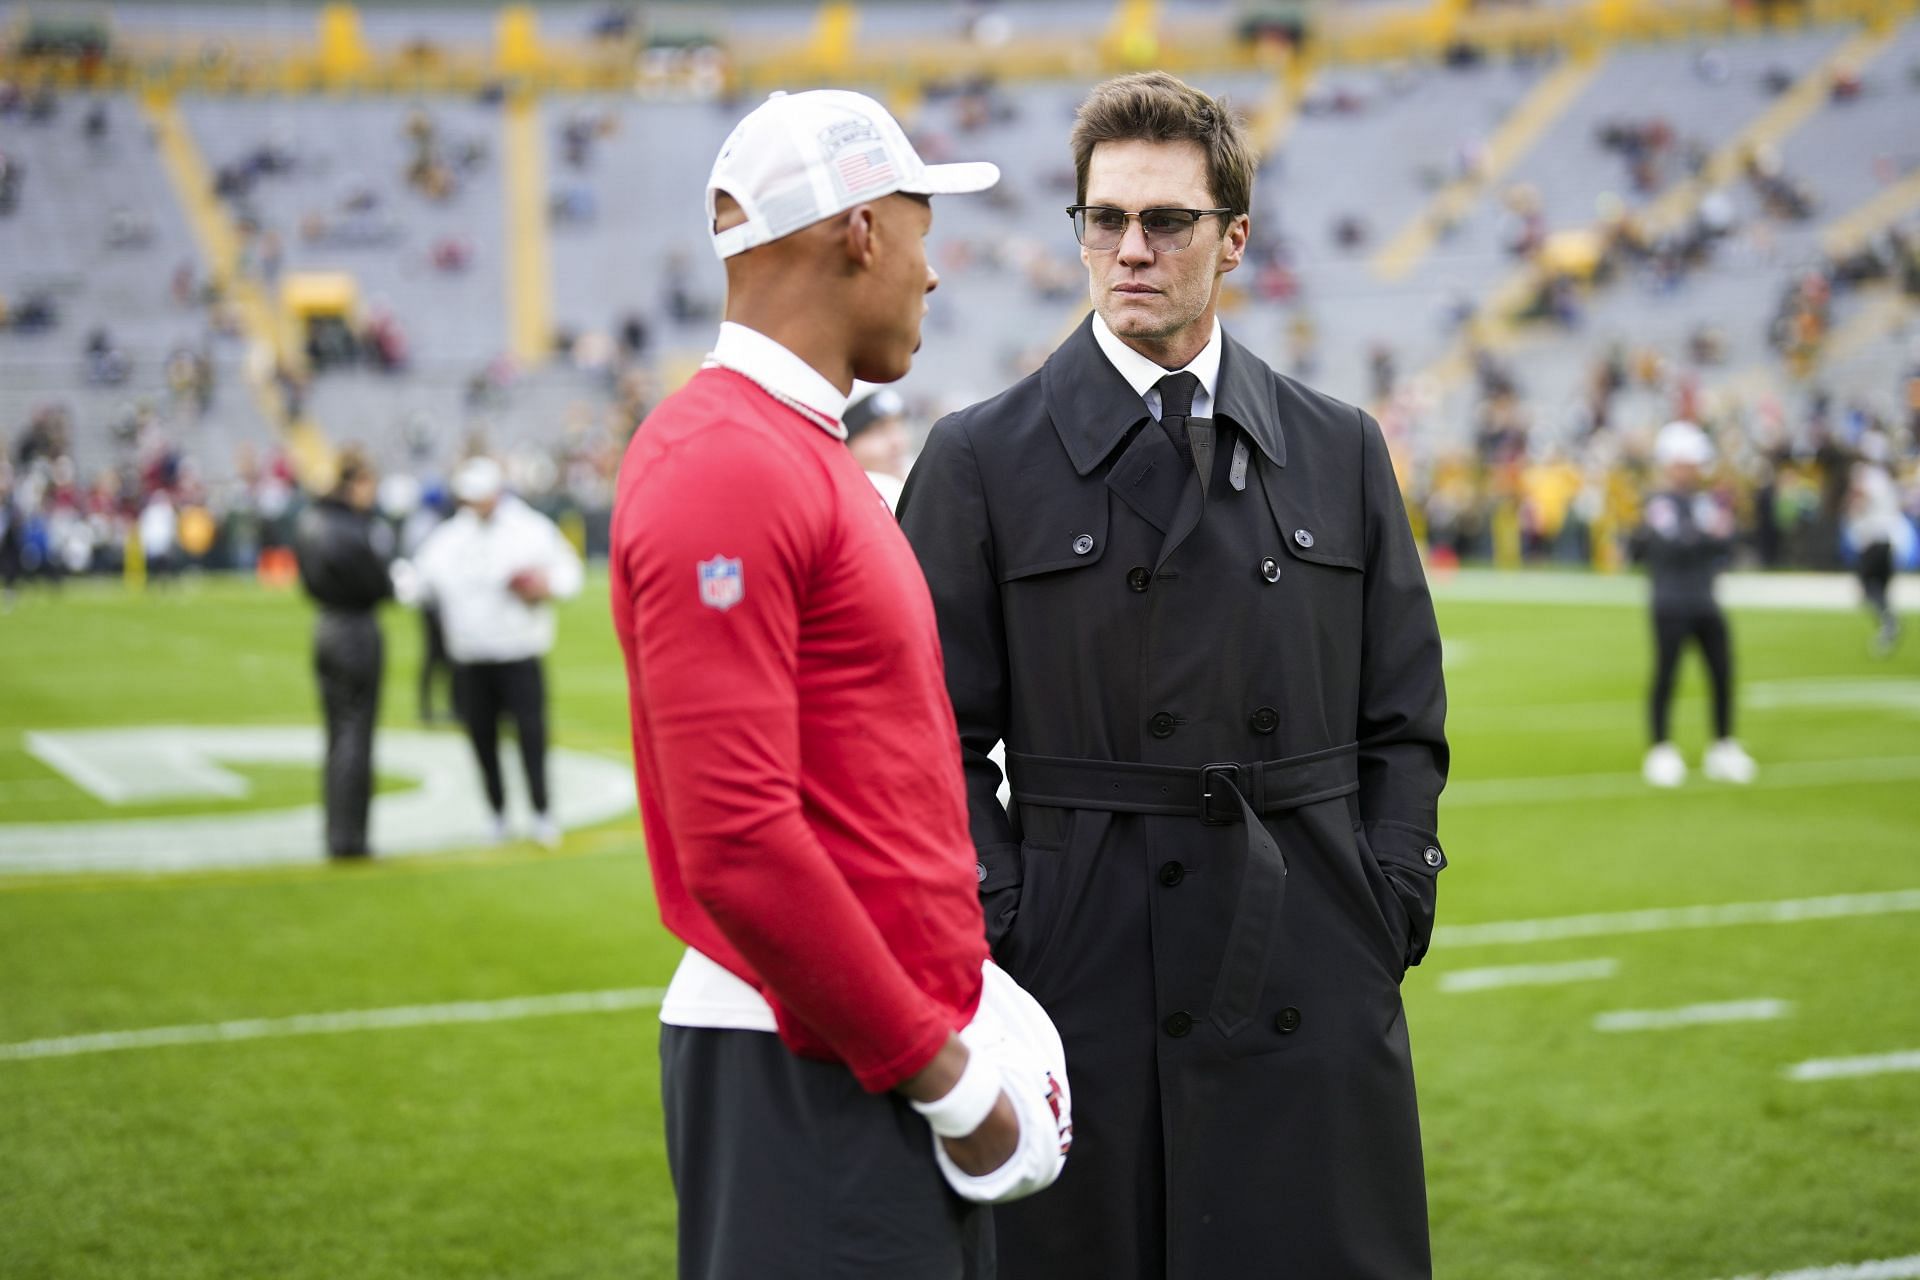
{"type": "Point", "coordinates": [343, 553]}
{"type": "Point", "coordinates": [1685, 540]}
{"type": "Point", "coordinates": [12, 536]}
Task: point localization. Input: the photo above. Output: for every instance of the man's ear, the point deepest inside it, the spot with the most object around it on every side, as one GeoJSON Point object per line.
{"type": "Point", "coordinates": [1233, 245]}
{"type": "Point", "coordinates": [861, 235]}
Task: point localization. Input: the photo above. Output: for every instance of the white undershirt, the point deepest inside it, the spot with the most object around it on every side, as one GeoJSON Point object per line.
{"type": "Point", "coordinates": [1141, 373]}
{"type": "Point", "coordinates": [703, 992]}
{"type": "Point", "coordinates": [783, 374]}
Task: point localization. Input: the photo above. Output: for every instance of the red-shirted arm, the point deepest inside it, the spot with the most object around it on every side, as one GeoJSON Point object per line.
{"type": "Point", "coordinates": [720, 690]}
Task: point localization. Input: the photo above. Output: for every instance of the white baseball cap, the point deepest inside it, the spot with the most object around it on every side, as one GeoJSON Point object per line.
{"type": "Point", "coordinates": [478, 479]}
{"type": "Point", "coordinates": [1682, 442]}
{"type": "Point", "coordinates": [800, 157]}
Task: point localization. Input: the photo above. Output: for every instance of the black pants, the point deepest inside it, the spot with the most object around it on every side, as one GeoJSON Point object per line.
{"type": "Point", "coordinates": [786, 1168]}
{"type": "Point", "coordinates": [485, 691]}
{"type": "Point", "coordinates": [1671, 631]}
{"type": "Point", "coordinates": [1876, 576]}
{"type": "Point", "coordinates": [347, 659]}
{"type": "Point", "coordinates": [435, 663]}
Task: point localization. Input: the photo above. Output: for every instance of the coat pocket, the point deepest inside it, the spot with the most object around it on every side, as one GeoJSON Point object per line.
{"type": "Point", "coordinates": [1410, 861]}
{"type": "Point", "coordinates": [1001, 869]}
{"type": "Point", "coordinates": [1027, 909]}
{"type": "Point", "coordinates": [1395, 920]}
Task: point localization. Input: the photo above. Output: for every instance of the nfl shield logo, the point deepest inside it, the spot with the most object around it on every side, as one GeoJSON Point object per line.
{"type": "Point", "coordinates": [721, 584]}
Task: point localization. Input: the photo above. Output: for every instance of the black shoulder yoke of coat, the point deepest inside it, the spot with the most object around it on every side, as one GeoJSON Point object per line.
{"type": "Point", "coordinates": [1224, 720]}
{"type": "Point", "coordinates": [340, 565]}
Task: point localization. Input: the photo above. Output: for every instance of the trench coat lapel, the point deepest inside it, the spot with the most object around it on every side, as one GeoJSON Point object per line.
{"type": "Point", "coordinates": [1095, 413]}
{"type": "Point", "coordinates": [1090, 404]}
{"type": "Point", "coordinates": [1247, 399]}
{"type": "Point", "coordinates": [1151, 478]}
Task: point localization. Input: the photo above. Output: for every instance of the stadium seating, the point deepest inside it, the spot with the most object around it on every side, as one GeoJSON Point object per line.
{"type": "Point", "coordinates": [1372, 146]}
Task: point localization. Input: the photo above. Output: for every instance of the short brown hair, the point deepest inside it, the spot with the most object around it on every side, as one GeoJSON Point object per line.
{"type": "Point", "coordinates": [350, 464]}
{"type": "Point", "coordinates": [1152, 106]}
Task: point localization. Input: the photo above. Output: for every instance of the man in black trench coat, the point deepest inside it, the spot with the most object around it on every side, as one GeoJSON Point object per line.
{"type": "Point", "coordinates": [1223, 715]}
{"type": "Point", "coordinates": [343, 552]}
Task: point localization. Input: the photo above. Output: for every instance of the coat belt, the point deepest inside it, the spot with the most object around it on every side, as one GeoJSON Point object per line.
{"type": "Point", "coordinates": [1218, 794]}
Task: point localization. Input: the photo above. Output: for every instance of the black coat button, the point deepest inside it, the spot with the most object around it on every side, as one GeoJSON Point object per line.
{"type": "Point", "coordinates": [1161, 726]}
{"type": "Point", "coordinates": [1172, 873]}
{"type": "Point", "coordinates": [1434, 857]}
{"type": "Point", "coordinates": [1288, 1021]}
{"type": "Point", "coordinates": [1270, 569]}
{"type": "Point", "coordinates": [1083, 544]}
{"type": "Point", "coordinates": [1138, 578]}
{"type": "Point", "coordinates": [980, 872]}
{"type": "Point", "coordinates": [1178, 1024]}
{"type": "Point", "coordinates": [1304, 537]}
{"type": "Point", "coordinates": [1264, 720]}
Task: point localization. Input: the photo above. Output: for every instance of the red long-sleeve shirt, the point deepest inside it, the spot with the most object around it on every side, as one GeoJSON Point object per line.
{"type": "Point", "coordinates": [798, 765]}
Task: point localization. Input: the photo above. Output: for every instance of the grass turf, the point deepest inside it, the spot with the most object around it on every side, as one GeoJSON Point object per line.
{"type": "Point", "coordinates": [533, 1148]}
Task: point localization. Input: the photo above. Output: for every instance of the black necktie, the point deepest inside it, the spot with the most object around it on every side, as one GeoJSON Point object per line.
{"type": "Point", "coordinates": [1176, 406]}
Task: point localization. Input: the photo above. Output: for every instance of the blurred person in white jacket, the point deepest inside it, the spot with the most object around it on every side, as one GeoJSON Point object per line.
{"type": "Point", "coordinates": [493, 571]}
{"type": "Point", "coordinates": [159, 532]}
{"type": "Point", "coordinates": [1876, 526]}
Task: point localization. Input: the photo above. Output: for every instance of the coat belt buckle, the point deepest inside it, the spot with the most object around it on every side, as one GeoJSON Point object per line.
{"type": "Point", "coordinates": [1221, 780]}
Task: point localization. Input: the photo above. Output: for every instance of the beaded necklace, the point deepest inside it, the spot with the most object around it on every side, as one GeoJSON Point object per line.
{"type": "Point", "coordinates": [832, 427]}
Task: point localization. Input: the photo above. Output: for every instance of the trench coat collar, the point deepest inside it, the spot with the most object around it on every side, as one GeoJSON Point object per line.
{"type": "Point", "coordinates": [1093, 408]}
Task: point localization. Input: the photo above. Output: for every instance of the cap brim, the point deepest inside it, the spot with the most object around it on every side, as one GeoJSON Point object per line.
{"type": "Point", "coordinates": [954, 179]}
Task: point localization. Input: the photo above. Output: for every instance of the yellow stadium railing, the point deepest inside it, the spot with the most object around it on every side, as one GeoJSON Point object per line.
{"type": "Point", "coordinates": [337, 58]}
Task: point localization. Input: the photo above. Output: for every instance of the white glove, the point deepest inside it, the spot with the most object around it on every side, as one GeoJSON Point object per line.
{"type": "Point", "coordinates": [1013, 1034]}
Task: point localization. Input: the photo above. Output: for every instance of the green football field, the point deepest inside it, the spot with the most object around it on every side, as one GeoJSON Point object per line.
{"type": "Point", "coordinates": [1613, 1030]}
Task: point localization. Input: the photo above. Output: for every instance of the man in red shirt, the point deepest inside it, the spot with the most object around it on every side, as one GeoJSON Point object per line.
{"type": "Point", "coordinates": [798, 765]}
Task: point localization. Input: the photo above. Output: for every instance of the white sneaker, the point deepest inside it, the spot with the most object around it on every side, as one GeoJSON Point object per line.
{"type": "Point", "coordinates": [498, 828]}
{"type": "Point", "coordinates": [1727, 761]}
{"type": "Point", "coordinates": [1887, 638]}
{"type": "Point", "coordinates": [546, 831]}
{"type": "Point", "coordinates": [1664, 766]}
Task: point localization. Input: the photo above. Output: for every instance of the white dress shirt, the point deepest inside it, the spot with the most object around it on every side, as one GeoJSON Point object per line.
{"type": "Point", "coordinates": [465, 565]}
{"type": "Point", "coordinates": [1141, 373]}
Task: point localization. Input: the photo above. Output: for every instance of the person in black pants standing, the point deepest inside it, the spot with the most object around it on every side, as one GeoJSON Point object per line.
{"type": "Point", "coordinates": [1685, 540]}
{"type": "Point", "coordinates": [1875, 524]}
{"type": "Point", "coordinates": [342, 553]}
{"type": "Point", "coordinates": [495, 570]}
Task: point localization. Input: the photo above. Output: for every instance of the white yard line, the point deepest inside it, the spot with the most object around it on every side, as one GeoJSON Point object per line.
{"type": "Point", "coordinates": [1907, 1268]}
{"type": "Point", "coordinates": [1880, 695]}
{"type": "Point", "coordinates": [1552, 789]}
{"type": "Point", "coordinates": [1825, 592]}
{"type": "Point", "coordinates": [309, 1024]}
{"type": "Point", "coordinates": [50, 750]}
{"type": "Point", "coordinates": [1692, 1015]}
{"type": "Point", "coordinates": [1663, 919]}
{"type": "Point", "coordinates": [1528, 975]}
{"type": "Point", "coordinates": [1876, 1064]}
{"type": "Point", "coordinates": [445, 810]}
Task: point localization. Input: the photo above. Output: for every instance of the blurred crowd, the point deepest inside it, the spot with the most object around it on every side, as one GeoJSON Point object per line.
{"type": "Point", "coordinates": [159, 504]}
{"type": "Point", "coordinates": [1530, 482]}
{"type": "Point", "coordinates": [58, 521]}
{"type": "Point", "coordinates": [1529, 492]}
